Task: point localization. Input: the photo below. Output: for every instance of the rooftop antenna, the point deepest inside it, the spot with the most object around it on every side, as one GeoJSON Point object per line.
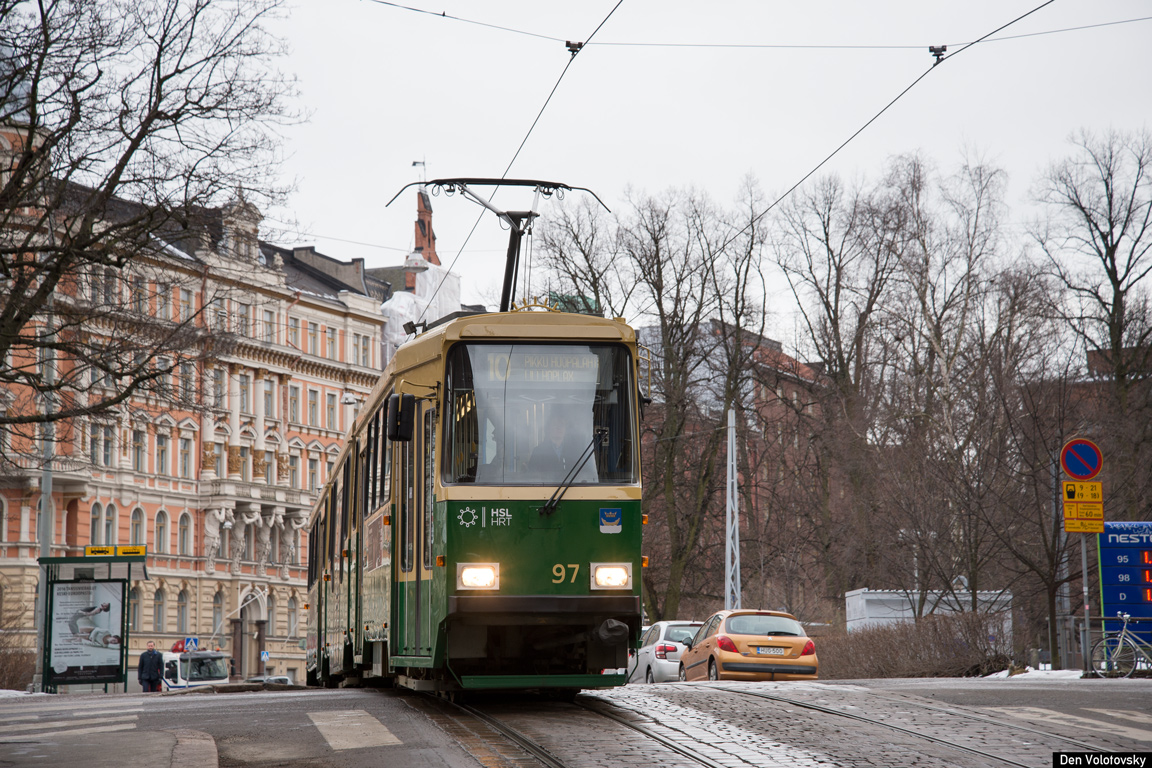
{"type": "Point", "coordinates": [423, 170]}
{"type": "Point", "coordinates": [519, 222]}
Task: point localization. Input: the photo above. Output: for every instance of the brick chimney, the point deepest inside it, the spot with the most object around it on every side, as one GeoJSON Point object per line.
{"type": "Point", "coordinates": [425, 237]}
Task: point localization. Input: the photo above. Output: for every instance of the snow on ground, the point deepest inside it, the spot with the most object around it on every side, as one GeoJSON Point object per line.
{"type": "Point", "coordinates": [1039, 674]}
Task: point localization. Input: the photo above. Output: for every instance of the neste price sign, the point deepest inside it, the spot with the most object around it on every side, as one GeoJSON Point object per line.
{"type": "Point", "coordinates": [1125, 556]}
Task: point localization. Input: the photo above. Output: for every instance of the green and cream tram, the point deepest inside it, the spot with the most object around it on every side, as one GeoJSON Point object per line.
{"type": "Point", "coordinates": [482, 526]}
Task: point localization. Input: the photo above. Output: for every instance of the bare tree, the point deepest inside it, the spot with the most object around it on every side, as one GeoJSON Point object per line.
{"type": "Point", "coordinates": [123, 127]}
{"type": "Point", "coordinates": [1098, 240]}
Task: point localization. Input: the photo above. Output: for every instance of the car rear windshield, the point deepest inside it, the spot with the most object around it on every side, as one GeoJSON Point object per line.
{"type": "Point", "coordinates": [679, 634]}
{"type": "Point", "coordinates": [759, 624]}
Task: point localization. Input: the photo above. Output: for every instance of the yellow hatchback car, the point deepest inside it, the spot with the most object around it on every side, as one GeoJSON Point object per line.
{"type": "Point", "coordinates": [750, 645]}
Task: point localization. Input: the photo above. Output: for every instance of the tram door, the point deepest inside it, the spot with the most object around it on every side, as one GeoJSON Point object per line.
{"type": "Point", "coordinates": [415, 561]}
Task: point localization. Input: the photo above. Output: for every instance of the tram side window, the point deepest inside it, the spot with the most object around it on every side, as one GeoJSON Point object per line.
{"type": "Point", "coordinates": [370, 465]}
{"type": "Point", "coordinates": [362, 475]}
{"type": "Point", "coordinates": [463, 449]}
{"type": "Point", "coordinates": [429, 482]}
{"type": "Point", "coordinates": [407, 491]}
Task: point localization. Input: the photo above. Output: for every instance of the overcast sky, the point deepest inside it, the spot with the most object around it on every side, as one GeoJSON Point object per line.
{"type": "Point", "coordinates": [675, 94]}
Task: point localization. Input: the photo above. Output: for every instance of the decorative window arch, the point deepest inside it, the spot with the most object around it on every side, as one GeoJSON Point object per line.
{"type": "Point", "coordinates": [161, 529]}
{"type": "Point", "coordinates": [184, 535]}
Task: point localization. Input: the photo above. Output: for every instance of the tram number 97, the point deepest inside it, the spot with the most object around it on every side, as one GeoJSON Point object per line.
{"type": "Point", "coordinates": [561, 573]}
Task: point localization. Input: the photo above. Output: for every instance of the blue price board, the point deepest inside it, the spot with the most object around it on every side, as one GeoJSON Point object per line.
{"type": "Point", "coordinates": [1125, 556]}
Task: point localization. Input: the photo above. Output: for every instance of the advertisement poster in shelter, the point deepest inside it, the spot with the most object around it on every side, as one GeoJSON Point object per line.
{"type": "Point", "coordinates": [87, 632]}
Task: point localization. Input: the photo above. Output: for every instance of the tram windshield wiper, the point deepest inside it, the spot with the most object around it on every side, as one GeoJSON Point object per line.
{"type": "Point", "coordinates": [600, 436]}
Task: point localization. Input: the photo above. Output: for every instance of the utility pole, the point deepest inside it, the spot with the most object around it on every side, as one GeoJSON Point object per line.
{"type": "Point", "coordinates": [45, 527]}
{"type": "Point", "coordinates": [732, 524]}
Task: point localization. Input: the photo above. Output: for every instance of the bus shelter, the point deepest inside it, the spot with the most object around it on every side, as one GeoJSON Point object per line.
{"type": "Point", "coordinates": [85, 622]}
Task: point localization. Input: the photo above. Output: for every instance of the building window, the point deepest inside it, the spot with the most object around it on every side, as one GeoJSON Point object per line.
{"type": "Point", "coordinates": [313, 330]}
{"type": "Point", "coordinates": [269, 326]}
{"type": "Point", "coordinates": [313, 407]}
{"type": "Point", "coordinates": [182, 612]}
{"type": "Point", "coordinates": [272, 612]}
{"type": "Point", "coordinates": [95, 525]}
{"type": "Point", "coordinates": [249, 540]}
{"type": "Point", "coordinates": [269, 398]}
{"type": "Point", "coordinates": [101, 444]}
{"type": "Point", "coordinates": [163, 301]}
{"type": "Point", "coordinates": [158, 610]}
{"type": "Point", "coordinates": [161, 454]}
{"type": "Point", "coordinates": [243, 312]}
{"type": "Point", "coordinates": [293, 623]}
{"type": "Point", "coordinates": [244, 386]}
{"type": "Point", "coordinates": [245, 465]}
{"type": "Point", "coordinates": [111, 291]}
{"type": "Point", "coordinates": [139, 450]}
{"type": "Point", "coordinates": [360, 350]}
{"type": "Point", "coordinates": [313, 467]}
{"type": "Point", "coordinates": [187, 381]}
{"type": "Point", "coordinates": [136, 527]}
{"type": "Point", "coordinates": [269, 467]}
{"type": "Point", "coordinates": [331, 354]}
{"type": "Point", "coordinates": [218, 387]}
{"type": "Point", "coordinates": [139, 295]}
{"type": "Point", "coordinates": [217, 612]}
{"type": "Point", "coordinates": [185, 308]}
{"type": "Point", "coordinates": [218, 459]}
{"type": "Point", "coordinates": [185, 458]}
{"type": "Point", "coordinates": [331, 411]}
{"type": "Point", "coordinates": [294, 404]}
{"type": "Point", "coordinates": [294, 332]}
{"type": "Point", "coordinates": [219, 316]}
{"type": "Point", "coordinates": [161, 532]}
{"type": "Point", "coordinates": [294, 471]}
{"type": "Point", "coordinates": [184, 535]}
{"type": "Point", "coordinates": [134, 610]}
{"type": "Point", "coordinates": [109, 526]}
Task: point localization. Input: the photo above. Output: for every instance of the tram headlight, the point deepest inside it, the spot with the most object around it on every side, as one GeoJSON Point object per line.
{"type": "Point", "coordinates": [611, 576]}
{"type": "Point", "coordinates": [478, 575]}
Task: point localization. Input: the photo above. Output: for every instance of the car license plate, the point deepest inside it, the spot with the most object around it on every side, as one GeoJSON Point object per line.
{"type": "Point", "coordinates": [769, 651]}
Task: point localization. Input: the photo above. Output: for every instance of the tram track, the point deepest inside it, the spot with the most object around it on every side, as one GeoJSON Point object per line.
{"type": "Point", "coordinates": [677, 730]}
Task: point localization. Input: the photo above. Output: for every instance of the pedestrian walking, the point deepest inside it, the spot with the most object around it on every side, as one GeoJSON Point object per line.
{"type": "Point", "coordinates": [150, 668]}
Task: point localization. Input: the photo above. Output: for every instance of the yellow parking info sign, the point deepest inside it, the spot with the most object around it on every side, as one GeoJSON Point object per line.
{"type": "Point", "coordinates": [1075, 491]}
{"type": "Point", "coordinates": [1084, 510]}
{"type": "Point", "coordinates": [1083, 526]}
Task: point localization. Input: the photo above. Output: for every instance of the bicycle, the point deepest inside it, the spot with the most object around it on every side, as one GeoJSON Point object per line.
{"type": "Point", "coordinates": [1118, 655]}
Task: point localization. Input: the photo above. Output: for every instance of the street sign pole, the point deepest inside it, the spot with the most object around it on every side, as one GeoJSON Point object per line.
{"type": "Point", "coordinates": [1082, 460]}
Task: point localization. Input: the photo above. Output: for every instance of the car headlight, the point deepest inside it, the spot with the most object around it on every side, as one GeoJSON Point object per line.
{"type": "Point", "coordinates": [611, 576]}
{"type": "Point", "coordinates": [478, 575]}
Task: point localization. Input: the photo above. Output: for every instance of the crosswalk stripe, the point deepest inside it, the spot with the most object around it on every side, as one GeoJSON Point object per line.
{"type": "Point", "coordinates": [352, 729]}
{"type": "Point", "coordinates": [68, 732]}
{"type": "Point", "coordinates": [41, 726]}
{"type": "Point", "coordinates": [1074, 722]}
{"type": "Point", "coordinates": [38, 704]}
{"type": "Point", "coordinates": [1124, 714]}
{"type": "Point", "coordinates": [23, 718]}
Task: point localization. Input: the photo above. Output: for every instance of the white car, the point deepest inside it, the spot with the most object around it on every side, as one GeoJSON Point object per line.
{"type": "Point", "coordinates": [657, 660]}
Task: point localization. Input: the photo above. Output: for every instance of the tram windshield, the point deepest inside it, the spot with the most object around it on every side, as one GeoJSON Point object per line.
{"type": "Point", "coordinates": [534, 414]}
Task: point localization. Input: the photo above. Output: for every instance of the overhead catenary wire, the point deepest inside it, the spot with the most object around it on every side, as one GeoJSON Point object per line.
{"type": "Point", "coordinates": [814, 46]}
{"type": "Point", "coordinates": [571, 58]}
{"type": "Point", "coordinates": [781, 46]}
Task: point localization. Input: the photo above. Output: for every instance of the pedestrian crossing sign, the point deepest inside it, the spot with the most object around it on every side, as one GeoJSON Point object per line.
{"type": "Point", "coordinates": [191, 644]}
{"type": "Point", "coordinates": [263, 655]}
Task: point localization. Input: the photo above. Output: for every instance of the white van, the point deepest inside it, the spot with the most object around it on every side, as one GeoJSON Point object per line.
{"type": "Point", "coordinates": [192, 668]}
